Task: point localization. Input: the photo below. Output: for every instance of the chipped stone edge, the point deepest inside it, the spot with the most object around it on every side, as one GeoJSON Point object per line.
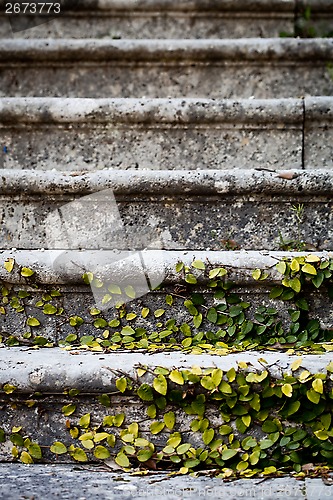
{"type": "Point", "coordinates": [163, 182]}
{"type": "Point", "coordinates": [239, 264]}
{"type": "Point", "coordinates": [53, 371]}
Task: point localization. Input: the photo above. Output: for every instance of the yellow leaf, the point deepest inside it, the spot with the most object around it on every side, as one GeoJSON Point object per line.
{"type": "Point", "coordinates": [317, 385]}
{"type": "Point", "coordinates": [309, 269]}
{"type": "Point", "coordinates": [287, 390]}
{"type": "Point", "coordinates": [296, 364]}
{"type": "Point", "coordinates": [242, 365]}
{"type": "Point", "coordinates": [9, 264]}
{"type": "Point", "coordinates": [312, 258]}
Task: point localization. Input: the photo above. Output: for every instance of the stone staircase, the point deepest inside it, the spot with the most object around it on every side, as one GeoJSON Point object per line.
{"type": "Point", "coordinates": [157, 162]}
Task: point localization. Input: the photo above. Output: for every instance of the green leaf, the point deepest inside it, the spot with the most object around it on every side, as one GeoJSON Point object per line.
{"type": "Point", "coordinates": [225, 430]}
{"type": "Point", "coordinates": [198, 264]}
{"type": "Point", "coordinates": [114, 323]}
{"type": "Point", "coordinates": [144, 455]}
{"type": "Point", "coordinates": [229, 453]}
{"type": "Point", "coordinates": [256, 274]}
{"type": "Point", "coordinates": [85, 421]}
{"type": "Point", "coordinates": [295, 285]}
{"type": "Point", "coordinates": [79, 455]}
{"type": "Point", "coordinates": [145, 312]}
{"type": "Point", "coordinates": [35, 450]}
{"type": "Point", "coordinates": [176, 377]}
{"type": "Point", "coordinates": [17, 439]}
{"type": "Point", "coordinates": [190, 278]}
{"type": "Point", "coordinates": [313, 396]}
{"type": "Point", "coordinates": [287, 390]}
{"type": "Point", "coordinates": [26, 272]}
{"type": "Point", "coordinates": [281, 267]}
{"type": "Point", "coordinates": [318, 280]}
{"type": "Point", "coordinates": [160, 384]}
{"type": "Point", "coordinates": [317, 385]}
{"type": "Point", "coordinates": [68, 410]}
{"type": "Point", "coordinates": [100, 323]}
{"type": "Point", "coordinates": [179, 266]}
{"type": "Point", "coordinates": [169, 300]}
{"type": "Point", "coordinates": [58, 448]}
{"type": "Point", "coordinates": [321, 434]}
{"type": "Point", "coordinates": [8, 388]}
{"type": "Point", "coordinates": [122, 460]}
{"type": "Point", "coordinates": [294, 266]}
{"type": "Point", "coordinates": [169, 420]}
{"type": "Point", "coordinates": [26, 458]}
{"type": "Point", "coordinates": [219, 271]}
{"type": "Point", "coordinates": [157, 427]}
{"type": "Point", "coordinates": [49, 309]}
{"type": "Point", "coordinates": [208, 436]}
{"type": "Point", "coordinates": [151, 411]}
{"type": "Point", "coordinates": [159, 312]}
{"type": "Point", "coordinates": [101, 452]}
{"type": "Point", "coordinates": [121, 384]}
{"type": "Point", "coordinates": [145, 392]}
{"type": "Point", "coordinates": [183, 448]}
{"type": "Point", "coordinates": [265, 443]}
{"type": "Point", "coordinates": [292, 408]}
{"type": "Point", "coordinates": [197, 320]}
{"type": "Point", "coordinates": [309, 269]}
{"type": "Point", "coordinates": [212, 315]}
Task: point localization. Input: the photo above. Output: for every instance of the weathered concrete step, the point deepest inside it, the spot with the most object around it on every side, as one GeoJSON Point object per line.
{"type": "Point", "coordinates": [165, 134]}
{"type": "Point", "coordinates": [158, 19]}
{"type": "Point", "coordinates": [59, 273]}
{"type": "Point", "coordinates": [38, 406]}
{"type": "Point", "coordinates": [244, 68]}
{"type": "Point", "coordinates": [182, 209]}
{"type": "Point", "coordinates": [95, 483]}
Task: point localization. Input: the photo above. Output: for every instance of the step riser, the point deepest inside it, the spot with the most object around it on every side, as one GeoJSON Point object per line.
{"type": "Point", "coordinates": [76, 299]}
{"type": "Point", "coordinates": [203, 68]}
{"type": "Point", "coordinates": [146, 20]}
{"type": "Point", "coordinates": [177, 209]}
{"type": "Point", "coordinates": [45, 422]}
{"type": "Point", "coordinates": [156, 25]}
{"type": "Point", "coordinates": [86, 134]}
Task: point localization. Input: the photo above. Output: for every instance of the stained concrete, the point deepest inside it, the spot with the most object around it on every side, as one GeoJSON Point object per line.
{"type": "Point", "coordinates": [161, 134]}
{"type": "Point", "coordinates": [242, 68]}
{"type": "Point", "coordinates": [180, 209]}
{"type": "Point", "coordinates": [19, 481]}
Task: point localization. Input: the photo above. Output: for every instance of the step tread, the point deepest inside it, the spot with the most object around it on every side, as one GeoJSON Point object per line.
{"type": "Point", "coordinates": [257, 50]}
{"type": "Point", "coordinates": [54, 370]}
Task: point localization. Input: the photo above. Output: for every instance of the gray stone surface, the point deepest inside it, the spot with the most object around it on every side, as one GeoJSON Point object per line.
{"type": "Point", "coordinates": [243, 68]}
{"type": "Point", "coordinates": [19, 481]}
{"type": "Point", "coordinates": [162, 134]}
{"type": "Point", "coordinates": [53, 370]}
{"type": "Point", "coordinates": [182, 209]}
{"type": "Point", "coordinates": [158, 20]}
{"type": "Point", "coordinates": [318, 126]}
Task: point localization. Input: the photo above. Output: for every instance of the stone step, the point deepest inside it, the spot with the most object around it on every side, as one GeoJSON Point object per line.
{"type": "Point", "coordinates": [166, 19]}
{"type": "Point", "coordinates": [36, 405]}
{"type": "Point", "coordinates": [242, 68]}
{"type": "Point", "coordinates": [182, 209]}
{"type": "Point", "coordinates": [165, 134]}
{"type": "Point", "coordinates": [96, 483]}
{"type": "Point", "coordinates": [158, 19]}
{"type": "Point", "coordinates": [56, 295]}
